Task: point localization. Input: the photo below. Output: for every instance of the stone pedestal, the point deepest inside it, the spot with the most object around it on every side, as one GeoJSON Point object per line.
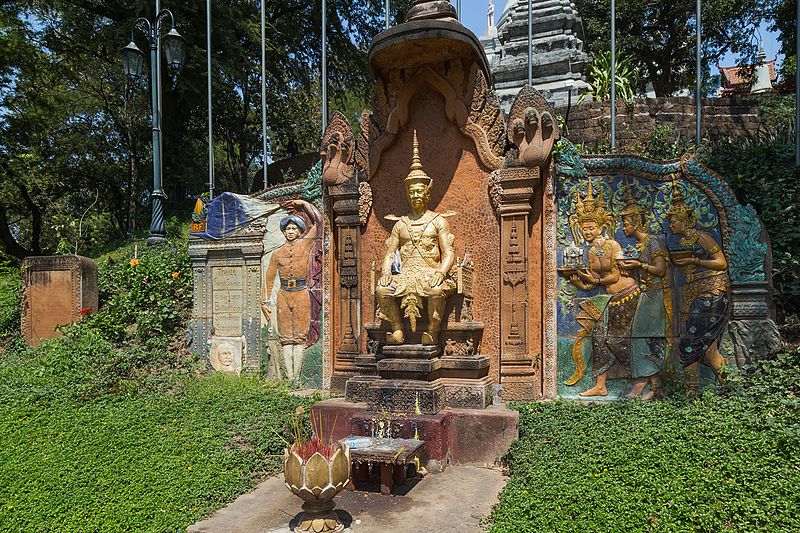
{"type": "Point", "coordinates": [416, 378]}
{"type": "Point", "coordinates": [56, 290]}
{"type": "Point", "coordinates": [752, 333]}
{"type": "Point", "coordinates": [452, 436]}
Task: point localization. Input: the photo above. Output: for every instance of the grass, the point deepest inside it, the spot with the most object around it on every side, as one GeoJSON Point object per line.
{"type": "Point", "coordinates": [711, 464]}
{"type": "Point", "coordinates": [149, 462]}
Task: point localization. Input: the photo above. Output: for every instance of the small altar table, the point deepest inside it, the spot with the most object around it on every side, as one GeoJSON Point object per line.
{"type": "Point", "coordinates": [392, 454]}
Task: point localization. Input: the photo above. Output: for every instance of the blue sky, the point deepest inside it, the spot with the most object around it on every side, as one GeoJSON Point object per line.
{"type": "Point", "coordinates": [474, 17]}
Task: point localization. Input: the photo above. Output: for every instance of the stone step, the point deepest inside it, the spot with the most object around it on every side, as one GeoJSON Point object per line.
{"type": "Point", "coordinates": [410, 351]}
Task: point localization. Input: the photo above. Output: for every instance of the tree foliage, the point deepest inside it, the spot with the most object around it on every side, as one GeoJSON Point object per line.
{"type": "Point", "coordinates": [660, 36]}
{"type": "Point", "coordinates": [75, 152]}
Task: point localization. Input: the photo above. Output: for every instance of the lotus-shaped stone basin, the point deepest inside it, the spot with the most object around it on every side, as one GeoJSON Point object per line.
{"type": "Point", "coordinates": [317, 481]}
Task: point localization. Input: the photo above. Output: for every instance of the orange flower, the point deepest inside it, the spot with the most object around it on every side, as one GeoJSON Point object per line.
{"type": "Point", "coordinates": [134, 262]}
{"type": "Point", "coordinates": [176, 275]}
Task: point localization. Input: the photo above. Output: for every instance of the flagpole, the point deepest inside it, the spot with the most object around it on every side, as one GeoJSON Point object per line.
{"type": "Point", "coordinates": [387, 13]}
{"type": "Point", "coordinates": [264, 90]}
{"type": "Point", "coordinates": [530, 42]}
{"type": "Point", "coordinates": [324, 68]}
{"type": "Point", "coordinates": [698, 81]}
{"type": "Point", "coordinates": [613, 76]}
{"type": "Point", "coordinates": [210, 107]}
{"type": "Point", "coordinates": [159, 91]}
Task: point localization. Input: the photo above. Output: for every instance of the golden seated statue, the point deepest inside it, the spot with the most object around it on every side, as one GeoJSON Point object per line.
{"type": "Point", "coordinates": [418, 262]}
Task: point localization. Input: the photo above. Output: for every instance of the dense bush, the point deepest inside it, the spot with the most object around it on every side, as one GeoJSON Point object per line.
{"type": "Point", "coordinates": [711, 464]}
{"type": "Point", "coordinates": [134, 339]}
{"type": "Point", "coordinates": [9, 301]}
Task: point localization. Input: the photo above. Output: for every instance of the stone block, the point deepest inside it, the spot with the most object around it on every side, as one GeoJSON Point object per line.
{"type": "Point", "coordinates": [406, 396]}
{"type": "Point", "coordinates": [414, 369]}
{"type": "Point", "coordinates": [464, 367]}
{"type": "Point", "coordinates": [56, 290]}
{"type": "Point", "coordinates": [357, 388]}
{"type": "Point", "coordinates": [468, 393]}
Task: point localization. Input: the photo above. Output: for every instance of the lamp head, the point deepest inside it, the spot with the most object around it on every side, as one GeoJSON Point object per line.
{"type": "Point", "coordinates": [175, 49]}
{"type": "Point", "coordinates": [132, 60]}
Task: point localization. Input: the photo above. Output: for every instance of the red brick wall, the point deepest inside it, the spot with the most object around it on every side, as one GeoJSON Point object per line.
{"type": "Point", "coordinates": [590, 122]}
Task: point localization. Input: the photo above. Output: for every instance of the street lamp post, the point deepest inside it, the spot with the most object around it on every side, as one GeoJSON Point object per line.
{"type": "Point", "coordinates": [132, 61]}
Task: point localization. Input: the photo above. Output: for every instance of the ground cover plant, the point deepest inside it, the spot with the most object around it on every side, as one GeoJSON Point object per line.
{"type": "Point", "coordinates": [157, 461]}
{"type": "Point", "coordinates": [116, 425]}
{"type": "Point", "coordinates": [716, 463]}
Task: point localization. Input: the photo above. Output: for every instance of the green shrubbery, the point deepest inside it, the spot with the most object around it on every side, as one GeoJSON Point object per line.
{"type": "Point", "coordinates": [711, 464]}
{"type": "Point", "coordinates": [134, 339]}
{"type": "Point", "coordinates": [108, 427]}
{"type": "Point", "coordinates": [9, 301]}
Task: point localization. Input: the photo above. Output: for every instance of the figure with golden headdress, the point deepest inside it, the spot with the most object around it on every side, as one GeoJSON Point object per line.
{"type": "Point", "coordinates": [652, 317]}
{"type": "Point", "coordinates": [611, 330]}
{"type": "Point", "coordinates": [419, 258]}
{"type": "Point", "coordinates": [705, 295]}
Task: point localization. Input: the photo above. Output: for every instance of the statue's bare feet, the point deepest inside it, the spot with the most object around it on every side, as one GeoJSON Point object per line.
{"type": "Point", "coordinates": [650, 396]}
{"type": "Point", "coordinates": [430, 338]}
{"type": "Point", "coordinates": [395, 337]}
{"type": "Point", "coordinates": [594, 391]}
{"type": "Point", "coordinates": [637, 389]}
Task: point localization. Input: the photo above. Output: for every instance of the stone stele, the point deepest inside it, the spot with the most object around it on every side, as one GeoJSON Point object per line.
{"type": "Point", "coordinates": [56, 290]}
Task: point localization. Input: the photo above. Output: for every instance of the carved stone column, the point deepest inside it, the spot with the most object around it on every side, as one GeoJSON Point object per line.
{"type": "Point", "coordinates": [514, 191]}
{"type": "Point", "coordinates": [533, 131]}
{"type": "Point", "coordinates": [340, 173]}
{"type": "Point", "coordinates": [345, 211]}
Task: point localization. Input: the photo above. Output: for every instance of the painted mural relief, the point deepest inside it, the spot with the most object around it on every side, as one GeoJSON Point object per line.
{"type": "Point", "coordinates": [562, 275]}
{"type": "Point", "coordinates": [257, 264]}
{"type": "Point", "coordinates": [291, 288]}
{"type": "Point", "coordinates": [644, 277]}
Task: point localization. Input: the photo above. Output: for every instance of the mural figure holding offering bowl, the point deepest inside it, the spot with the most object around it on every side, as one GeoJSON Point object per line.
{"type": "Point", "coordinates": [651, 320]}
{"type": "Point", "coordinates": [611, 332]}
{"type": "Point", "coordinates": [291, 263]}
{"type": "Point", "coordinates": [418, 260]}
{"type": "Point", "coordinates": [705, 294]}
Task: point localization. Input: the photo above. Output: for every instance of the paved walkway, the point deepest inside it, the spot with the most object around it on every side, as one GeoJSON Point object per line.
{"type": "Point", "coordinates": [455, 500]}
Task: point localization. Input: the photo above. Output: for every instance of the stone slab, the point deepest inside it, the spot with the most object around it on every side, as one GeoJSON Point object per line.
{"type": "Point", "coordinates": [410, 351]}
{"type": "Point", "coordinates": [413, 369]}
{"type": "Point", "coordinates": [453, 501]}
{"type": "Point", "coordinates": [56, 290]}
{"type": "Point", "coordinates": [465, 366]}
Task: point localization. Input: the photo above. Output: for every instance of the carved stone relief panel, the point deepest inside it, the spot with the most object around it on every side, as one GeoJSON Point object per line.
{"type": "Point", "coordinates": [532, 129]}
{"type": "Point", "coordinates": [338, 152]}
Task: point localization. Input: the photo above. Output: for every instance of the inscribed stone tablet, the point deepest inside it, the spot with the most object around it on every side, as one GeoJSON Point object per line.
{"type": "Point", "coordinates": [227, 302]}
{"type": "Point", "coordinates": [228, 324]}
{"type": "Point", "coordinates": [226, 278]}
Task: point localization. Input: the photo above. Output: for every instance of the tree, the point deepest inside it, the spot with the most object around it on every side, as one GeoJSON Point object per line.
{"type": "Point", "coordinates": [659, 37]}
{"type": "Point", "coordinates": [74, 131]}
